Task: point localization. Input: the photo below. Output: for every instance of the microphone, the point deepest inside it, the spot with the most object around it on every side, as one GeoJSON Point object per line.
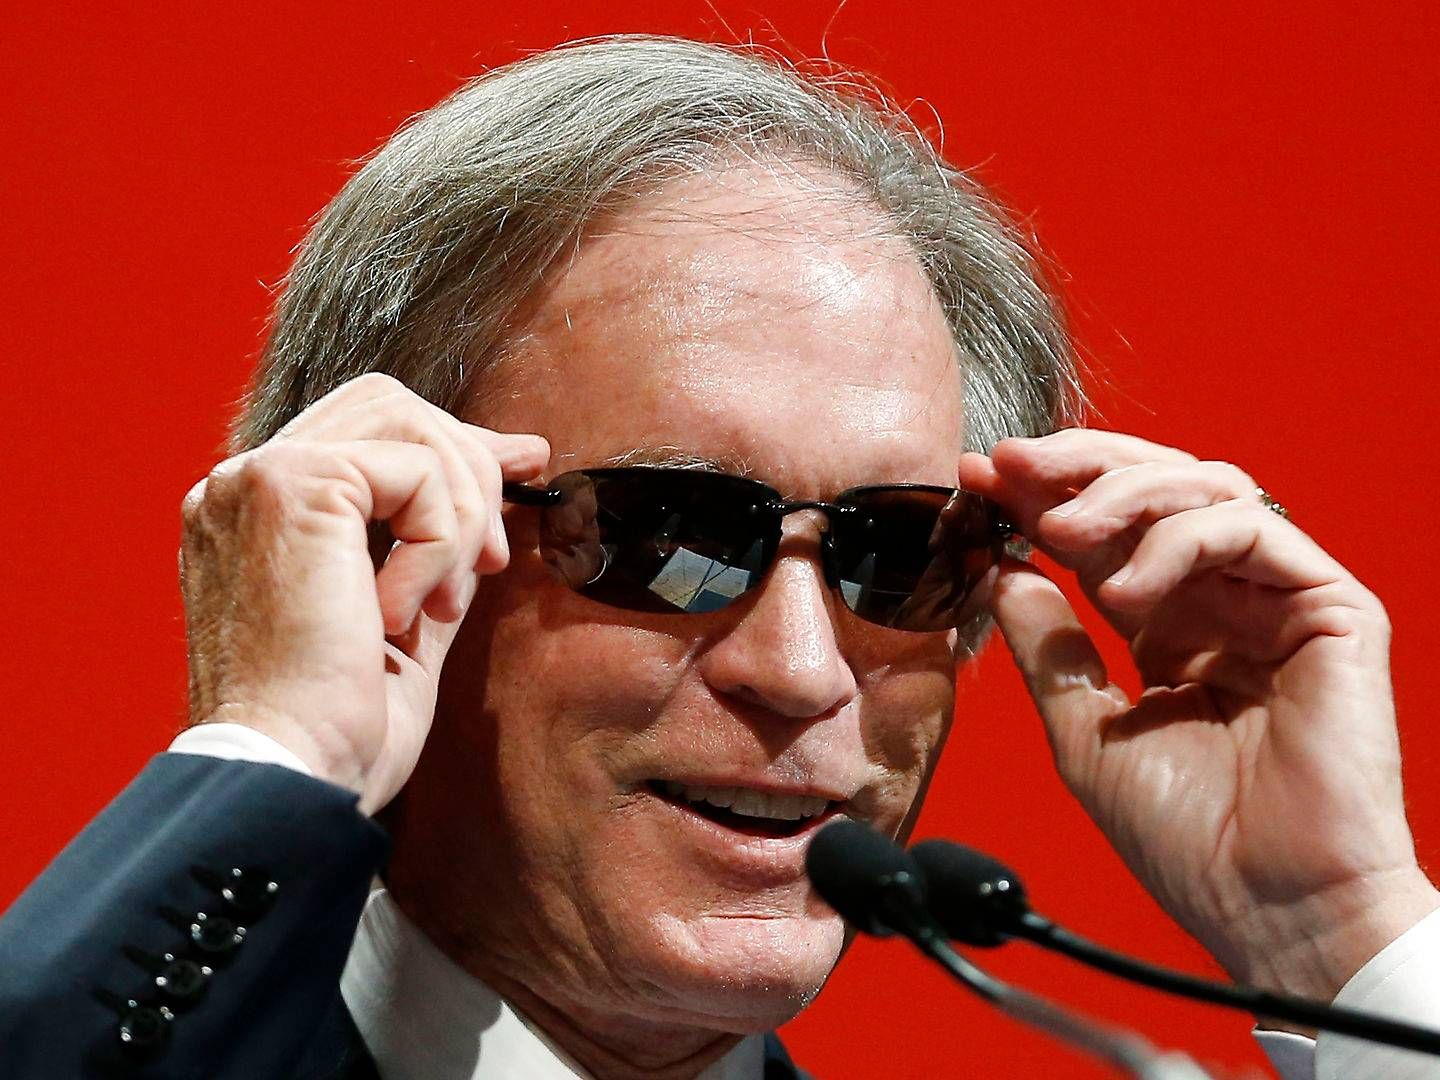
{"type": "Point", "coordinates": [980, 901]}
{"type": "Point", "coordinates": [870, 880]}
{"type": "Point", "coordinates": [876, 886]}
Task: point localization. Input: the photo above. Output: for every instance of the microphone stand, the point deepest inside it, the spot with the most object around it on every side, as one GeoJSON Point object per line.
{"type": "Point", "coordinates": [980, 901]}
{"type": "Point", "coordinates": [876, 887]}
{"type": "Point", "coordinates": [1041, 931]}
{"type": "Point", "coordinates": [1124, 1050]}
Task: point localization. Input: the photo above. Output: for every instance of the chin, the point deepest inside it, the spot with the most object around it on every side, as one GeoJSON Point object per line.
{"type": "Point", "coordinates": [744, 973]}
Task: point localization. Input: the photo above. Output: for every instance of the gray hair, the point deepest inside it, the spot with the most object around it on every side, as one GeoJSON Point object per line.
{"type": "Point", "coordinates": [419, 265]}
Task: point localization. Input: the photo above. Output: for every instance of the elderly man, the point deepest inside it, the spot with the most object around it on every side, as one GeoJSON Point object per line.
{"type": "Point", "coordinates": [633, 385]}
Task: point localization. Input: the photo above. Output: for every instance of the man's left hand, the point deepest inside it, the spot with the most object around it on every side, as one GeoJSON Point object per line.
{"type": "Point", "coordinates": [1254, 787]}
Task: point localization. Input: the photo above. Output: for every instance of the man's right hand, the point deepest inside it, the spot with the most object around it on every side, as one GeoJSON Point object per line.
{"type": "Point", "coordinates": [291, 630]}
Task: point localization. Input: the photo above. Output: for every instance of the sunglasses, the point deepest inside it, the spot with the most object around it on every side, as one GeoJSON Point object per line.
{"type": "Point", "coordinates": [673, 540]}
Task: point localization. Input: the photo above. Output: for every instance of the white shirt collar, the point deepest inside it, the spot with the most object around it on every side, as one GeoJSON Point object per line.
{"type": "Point", "coordinates": [423, 1017]}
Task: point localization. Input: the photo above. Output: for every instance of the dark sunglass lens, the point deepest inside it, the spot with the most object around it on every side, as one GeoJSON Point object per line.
{"type": "Point", "coordinates": [664, 540]}
{"type": "Point", "coordinates": [915, 558]}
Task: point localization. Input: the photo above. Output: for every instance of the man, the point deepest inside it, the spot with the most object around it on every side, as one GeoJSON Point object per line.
{"type": "Point", "coordinates": [700, 273]}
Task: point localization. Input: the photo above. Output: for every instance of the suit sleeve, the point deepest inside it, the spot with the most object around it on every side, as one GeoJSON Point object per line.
{"type": "Point", "coordinates": [196, 928]}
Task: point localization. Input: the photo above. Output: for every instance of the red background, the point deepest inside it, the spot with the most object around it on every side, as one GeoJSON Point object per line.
{"type": "Point", "coordinates": [1244, 203]}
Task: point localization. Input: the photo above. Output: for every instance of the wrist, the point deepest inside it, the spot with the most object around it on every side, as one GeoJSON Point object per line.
{"type": "Point", "coordinates": [1311, 948]}
{"type": "Point", "coordinates": [326, 753]}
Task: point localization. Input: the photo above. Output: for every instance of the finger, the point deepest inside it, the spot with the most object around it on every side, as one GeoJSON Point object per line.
{"type": "Point", "coordinates": [1075, 456]}
{"type": "Point", "coordinates": [1060, 664]}
{"type": "Point", "coordinates": [378, 408]}
{"type": "Point", "coordinates": [1139, 494]}
{"type": "Point", "coordinates": [405, 484]}
{"type": "Point", "coordinates": [978, 474]}
{"type": "Point", "coordinates": [520, 456]}
{"type": "Point", "coordinates": [494, 457]}
{"type": "Point", "coordinates": [375, 405]}
{"type": "Point", "coordinates": [1033, 475]}
{"type": "Point", "coordinates": [1240, 537]}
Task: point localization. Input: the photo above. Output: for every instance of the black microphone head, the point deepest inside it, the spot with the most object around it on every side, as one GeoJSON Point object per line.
{"type": "Point", "coordinates": [975, 898]}
{"type": "Point", "coordinates": [866, 877]}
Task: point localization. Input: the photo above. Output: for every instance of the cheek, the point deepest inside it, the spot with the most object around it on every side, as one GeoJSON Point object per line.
{"type": "Point", "coordinates": [563, 690]}
{"type": "Point", "coordinates": [906, 715]}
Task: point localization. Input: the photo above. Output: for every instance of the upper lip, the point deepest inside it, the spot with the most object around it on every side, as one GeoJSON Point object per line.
{"type": "Point", "coordinates": [767, 784]}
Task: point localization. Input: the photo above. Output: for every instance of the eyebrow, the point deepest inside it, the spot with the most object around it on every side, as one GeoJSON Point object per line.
{"type": "Point", "coordinates": [673, 457]}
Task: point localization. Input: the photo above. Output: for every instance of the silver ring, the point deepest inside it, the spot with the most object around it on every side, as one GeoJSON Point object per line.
{"type": "Point", "coordinates": [1271, 503]}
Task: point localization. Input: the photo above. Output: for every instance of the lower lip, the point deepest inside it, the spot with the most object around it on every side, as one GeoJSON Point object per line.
{"type": "Point", "coordinates": [762, 860]}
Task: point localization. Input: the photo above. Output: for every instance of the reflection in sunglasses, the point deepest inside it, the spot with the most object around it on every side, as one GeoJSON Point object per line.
{"type": "Point", "coordinates": [853, 586]}
{"type": "Point", "coordinates": [697, 583]}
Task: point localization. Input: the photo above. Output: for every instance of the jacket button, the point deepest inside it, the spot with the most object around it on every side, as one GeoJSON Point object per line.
{"type": "Point", "coordinates": [143, 1029]}
{"type": "Point", "coordinates": [182, 981]}
{"type": "Point", "coordinates": [215, 935]}
{"type": "Point", "coordinates": [248, 893]}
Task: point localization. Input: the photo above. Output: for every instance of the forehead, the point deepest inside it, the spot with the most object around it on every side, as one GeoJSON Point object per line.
{"type": "Point", "coordinates": [761, 318]}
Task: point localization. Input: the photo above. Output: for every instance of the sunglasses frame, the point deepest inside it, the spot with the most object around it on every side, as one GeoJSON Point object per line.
{"type": "Point", "coordinates": [771, 503]}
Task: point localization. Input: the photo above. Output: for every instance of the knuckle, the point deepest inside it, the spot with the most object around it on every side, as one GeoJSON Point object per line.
{"type": "Point", "coordinates": [429, 461]}
{"type": "Point", "coordinates": [469, 510]}
{"type": "Point", "coordinates": [271, 474]}
{"type": "Point", "coordinates": [1065, 437]}
{"type": "Point", "coordinates": [1232, 477]}
{"type": "Point", "coordinates": [1165, 530]}
{"type": "Point", "coordinates": [217, 490]}
{"type": "Point", "coordinates": [492, 477]}
{"type": "Point", "coordinates": [270, 468]}
{"type": "Point", "coordinates": [1372, 609]}
{"type": "Point", "coordinates": [1137, 470]}
{"type": "Point", "coordinates": [1241, 510]}
{"type": "Point", "coordinates": [375, 383]}
{"type": "Point", "coordinates": [409, 416]}
{"type": "Point", "coordinates": [444, 543]}
{"type": "Point", "coordinates": [194, 500]}
{"type": "Point", "coordinates": [1380, 617]}
{"type": "Point", "coordinates": [362, 390]}
{"type": "Point", "coordinates": [222, 473]}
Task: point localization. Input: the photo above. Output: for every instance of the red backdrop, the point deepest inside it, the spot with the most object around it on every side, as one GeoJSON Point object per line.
{"type": "Point", "coordinates": [1243, 204]}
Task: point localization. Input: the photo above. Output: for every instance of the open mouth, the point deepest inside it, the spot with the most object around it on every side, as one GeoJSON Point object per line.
{"type": "Point", "coordinates": [745, 810]}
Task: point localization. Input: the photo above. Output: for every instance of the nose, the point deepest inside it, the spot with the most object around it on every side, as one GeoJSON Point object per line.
{"type": "Point", "coordinates": [782, 652]}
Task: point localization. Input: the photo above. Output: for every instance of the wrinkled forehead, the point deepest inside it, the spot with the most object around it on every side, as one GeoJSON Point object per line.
{"type": "Point", "coordinates": [759, 319]}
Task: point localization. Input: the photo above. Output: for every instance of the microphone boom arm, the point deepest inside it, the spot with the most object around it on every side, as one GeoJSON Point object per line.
{"type": "Point", "coordinates": [1259, 1003]}
{"type": "Point", "coordinates": [1125, 1050]}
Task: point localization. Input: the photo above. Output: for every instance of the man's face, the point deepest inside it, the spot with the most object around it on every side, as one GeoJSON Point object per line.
{"type": "Point", "coordinates": [762, 322]}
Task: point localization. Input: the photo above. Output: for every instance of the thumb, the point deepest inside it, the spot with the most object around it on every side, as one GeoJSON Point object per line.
{"type": "Point", "coordinates": [428, 642]}
{"type": "Point", "coordinates": [1061, 666]}
{"type": "Point", "coordinates": [412, 671]}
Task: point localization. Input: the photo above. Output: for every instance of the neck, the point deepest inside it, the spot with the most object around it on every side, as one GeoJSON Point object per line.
{"type": "Point", "coordinates": [617, 1048]}
{"type": "Point", "coordinates": [608, 1044]}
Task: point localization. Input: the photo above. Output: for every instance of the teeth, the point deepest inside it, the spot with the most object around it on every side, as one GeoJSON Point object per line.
{"type": "Point", "coordinates": [715, 796]}
{"type": "Point", "coordinates": [749, 803]}
{"type": "Point", "coordinates": [753, 804]}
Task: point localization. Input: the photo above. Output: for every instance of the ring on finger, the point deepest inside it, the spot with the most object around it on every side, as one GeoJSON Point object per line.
{"type": "Point", "coordinates": [1271, 503]}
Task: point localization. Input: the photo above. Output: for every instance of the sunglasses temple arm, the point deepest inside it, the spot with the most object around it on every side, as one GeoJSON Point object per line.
{"type": "Point", "coordinates": [525, 495]}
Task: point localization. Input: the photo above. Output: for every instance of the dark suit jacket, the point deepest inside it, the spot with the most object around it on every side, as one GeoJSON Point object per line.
{"type": "Point", "coordinates": [170, 882]}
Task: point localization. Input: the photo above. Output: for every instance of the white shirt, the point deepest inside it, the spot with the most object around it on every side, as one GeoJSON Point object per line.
{"type": "Point", "coordinates": [424, 1018]}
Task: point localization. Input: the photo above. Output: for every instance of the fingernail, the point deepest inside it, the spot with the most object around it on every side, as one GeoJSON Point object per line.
{"type": "Point", "coordinates": [467, 591]}
{"type": "Point", "coordinates": [497, 534]}
{"type": "Point", "coordinates": [1120, 576]}
{"type": "Point", "coordinates": [1064, 510]}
